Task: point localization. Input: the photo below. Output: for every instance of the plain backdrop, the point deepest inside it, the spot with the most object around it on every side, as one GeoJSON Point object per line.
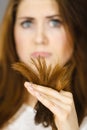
{"type": "Point", "coordinates": [3, 4]}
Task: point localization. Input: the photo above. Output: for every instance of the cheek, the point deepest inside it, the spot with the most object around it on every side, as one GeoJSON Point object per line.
{"type": "Point", "coordinates": [20, 43]}
{"type": "Point", "coordinates": [18, 37]}
{"type": "Point", "coordinates": [66, 50]}
{"type": "Point", "coordinates": [22, 39]}
{"type": "Point", "coordinates": [63, 46]}
{"type": "Point", "coordinates": [23, 43]}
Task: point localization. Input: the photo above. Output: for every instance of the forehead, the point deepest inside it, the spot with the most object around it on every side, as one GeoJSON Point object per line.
{"type": "Point", "coordinates": [37, 7]}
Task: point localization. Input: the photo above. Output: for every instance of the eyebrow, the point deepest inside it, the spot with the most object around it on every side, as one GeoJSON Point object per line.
{"type": "Point", "coordinates": [32, 18]}
{"type": "Point", "coordinates": [51, 16]}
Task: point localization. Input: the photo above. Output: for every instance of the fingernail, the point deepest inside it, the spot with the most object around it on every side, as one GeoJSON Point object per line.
{"type": "Point", "coordinates": [28, 85]}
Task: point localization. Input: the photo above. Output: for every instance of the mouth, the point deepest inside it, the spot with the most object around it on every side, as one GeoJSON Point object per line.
{"type": "Point", "coordinates": [41, 54]}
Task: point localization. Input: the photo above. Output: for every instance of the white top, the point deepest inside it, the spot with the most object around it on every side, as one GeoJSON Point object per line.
{"type": "Point", "coordinates": [24, 120]}
{"type": "Point", "coordinates": [84, 124]}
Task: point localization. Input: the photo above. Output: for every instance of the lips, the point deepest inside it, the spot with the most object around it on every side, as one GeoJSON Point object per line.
{"type": "Point", "coordinates": [41, 54]}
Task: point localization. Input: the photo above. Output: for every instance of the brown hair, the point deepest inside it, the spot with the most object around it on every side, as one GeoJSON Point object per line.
{"type": "Point", "coordinates": [57, 78]}
{"type": "Point", "coordinates": [74, 15]}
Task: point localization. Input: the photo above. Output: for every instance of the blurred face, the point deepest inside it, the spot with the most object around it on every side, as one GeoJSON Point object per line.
{"type": "Point", "coordinates": [39, 31]}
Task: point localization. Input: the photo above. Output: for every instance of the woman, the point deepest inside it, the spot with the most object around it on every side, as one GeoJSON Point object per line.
{"type": "Point", "coordinates": [55, 30]}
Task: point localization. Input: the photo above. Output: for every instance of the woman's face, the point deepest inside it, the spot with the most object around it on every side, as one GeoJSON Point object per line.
{"type": "Point", "coordinates": [39, 31]}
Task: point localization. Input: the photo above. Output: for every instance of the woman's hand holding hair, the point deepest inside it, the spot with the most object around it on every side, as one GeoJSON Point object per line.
{"type": "Point", "coordinates": [61, 104]}
{"type": "Point", "coordinates": [51, 87]}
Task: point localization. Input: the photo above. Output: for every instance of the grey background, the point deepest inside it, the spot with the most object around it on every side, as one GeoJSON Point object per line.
{"type": "Point", "coordinates": [3, 4]}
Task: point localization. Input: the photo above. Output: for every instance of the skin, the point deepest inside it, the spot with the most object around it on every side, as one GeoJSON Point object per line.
{"type": "Point", "coordinates": [46, 32]}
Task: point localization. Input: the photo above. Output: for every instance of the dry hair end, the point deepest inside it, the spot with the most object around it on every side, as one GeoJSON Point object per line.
{"type": "Point", "coordinates": [58, 78]}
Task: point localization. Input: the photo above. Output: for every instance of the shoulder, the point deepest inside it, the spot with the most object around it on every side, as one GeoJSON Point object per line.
{"type": "Point", "coordinates": [24, 120]}
{"type": "Point", "coordinates": [84, 124]}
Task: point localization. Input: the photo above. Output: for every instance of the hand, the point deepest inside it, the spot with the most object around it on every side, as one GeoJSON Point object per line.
{"type": "Point", "coordinates": [61, 104]}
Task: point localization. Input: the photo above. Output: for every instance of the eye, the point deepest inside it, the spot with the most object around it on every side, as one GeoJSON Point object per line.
{"type": "Point", "coordinates": [26, 24]}
{"type": "Point", "coordinates": [55, 23]}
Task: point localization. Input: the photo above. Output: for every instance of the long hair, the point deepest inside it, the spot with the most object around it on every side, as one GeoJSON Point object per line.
{"type": "Point", "coordinates": [12, 91]}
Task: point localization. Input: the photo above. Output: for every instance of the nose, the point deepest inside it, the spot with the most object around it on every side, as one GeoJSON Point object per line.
{"type": "Point", "coordinates": [40, 36]}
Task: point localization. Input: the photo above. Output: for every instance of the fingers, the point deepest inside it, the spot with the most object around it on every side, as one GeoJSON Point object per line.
{"type": "Point", "coordinates": [50, 104]}
{"type": "Point", "coordinates": [47, 101]}
{"type": "Point", "coordinates": [55, 101]}
{"type": "Point", "coordinates": [61, 104]}
{"type": "Point", "coordinates": [62, 96]}
{"type": "Point", "coordinates": [66, 93]}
